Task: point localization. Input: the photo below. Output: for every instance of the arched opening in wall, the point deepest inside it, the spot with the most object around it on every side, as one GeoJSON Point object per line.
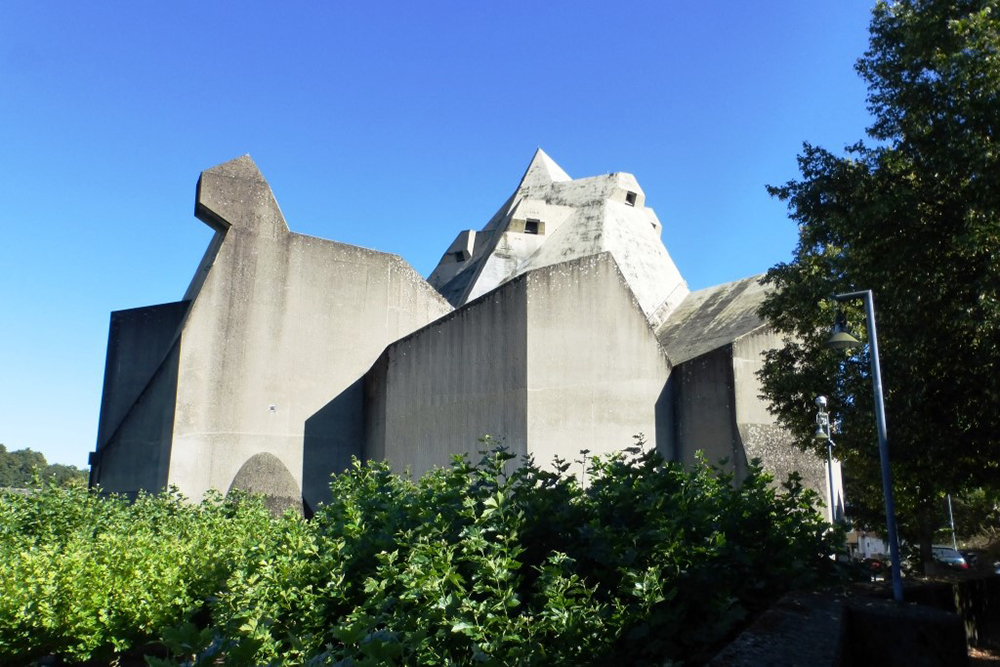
{"type": "Point", "coordinates": [264, 473]}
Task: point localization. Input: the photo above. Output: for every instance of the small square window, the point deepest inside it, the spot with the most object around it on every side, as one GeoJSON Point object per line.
{"type": "Point", "coordinates": [531, 226]}
{"type": "Point", "coordinates": [630, 198]}
{"type": "Point", "coordinates": [459, 256]}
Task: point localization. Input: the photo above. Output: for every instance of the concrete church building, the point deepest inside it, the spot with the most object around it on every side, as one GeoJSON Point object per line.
{"type": "Point", "coordinates": [563, 324]}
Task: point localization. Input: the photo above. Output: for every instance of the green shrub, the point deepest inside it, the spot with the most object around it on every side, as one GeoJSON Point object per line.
{"type": "Point", "coordinates": [486, 564]}
{"type": "Point", "coordinates": [481, 564]}
{"type": "Point", "coordinates": [86, 576]}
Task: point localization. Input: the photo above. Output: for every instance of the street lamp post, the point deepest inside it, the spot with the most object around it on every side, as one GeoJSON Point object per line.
{"type": "Point", "coordinates": [840, 339]}
{"type": "Point", "coordinates": [824, 433]}
{"type": "Point", "coordinates": [951, 520]}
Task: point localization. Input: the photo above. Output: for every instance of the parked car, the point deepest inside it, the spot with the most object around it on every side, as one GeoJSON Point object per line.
{"type": "Point", "coordinates": [971, 557]}
{"type": "Point", "coordinates": [950, 558]}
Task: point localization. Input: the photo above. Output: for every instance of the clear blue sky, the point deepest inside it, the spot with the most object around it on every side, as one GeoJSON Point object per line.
{"type": "Point", "coordinates": [387, 125]}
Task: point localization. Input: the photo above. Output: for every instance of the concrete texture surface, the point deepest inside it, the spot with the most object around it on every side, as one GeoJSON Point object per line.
{"type": "Point", "coordinates": [716, 340]}
{"type": "Point", "coordinates": [265, 474]}
{"type": "Point", "coordinates": [711, 318]}
{"type": "Point", "coordinates": [279, 328]}
{"type": "Point", "coordinates": [596, 375]}
{"type": "Point", "coordinates": [438, 391]}
{"type": "Point", "coordinates": [551, 219]}
{"type": "Point", "coordinates": [290, 354]}
{"type": "Point", "coordinates": [555, 361]}
{"type": "Point", "coordinates": [137, 406]}
{"type": "Point", "coordinates": [761, 436]}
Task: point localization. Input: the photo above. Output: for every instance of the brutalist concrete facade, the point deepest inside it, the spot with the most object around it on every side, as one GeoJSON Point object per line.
{"type": "Point", "coordinates": [258, 368]}
{"type": "Point", "coordinates": [562, 325]}
{"type": "Point", "coordinates": [717, 342]}
{"type": "Point", "coordinates": [554, 361]}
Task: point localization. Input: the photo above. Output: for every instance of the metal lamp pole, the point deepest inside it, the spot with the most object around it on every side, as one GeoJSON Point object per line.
{"type": "Point", "coordinates": [824, 432]}
{"type": "Point", "coordinates": [951, 520]}
{"type": "Point", "coordinates": [883, 443]}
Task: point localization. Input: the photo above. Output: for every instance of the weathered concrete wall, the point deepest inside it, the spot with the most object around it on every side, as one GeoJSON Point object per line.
{"type": "Point", "coordinates": [436, 392]}
{"type": "Point", "coordinates": [713, 390]}
{"type": "Point", "coordinates": [552, 362]}
{"type": "Point", "coordinates": [280, 328]}
{"type": "Point", "coordinates": [712, 318]}
{"type": "Point", "coordinates": [706, 410]}
{"type": "Point", "coordinates": [761, 436]}
{"type": "Point", "coordinates": [137, 454]}
{"type": "Point", "coordinates": [596, 373]}
{"type": "Point", "coordinates": [717, 342]}
{"type": "Point", "coordinates": [138, 341]}
{"type": "Point", "coordinates": [137, 406]}
{"type": "Point", "coordinates": [283, 325]}
{"type": "Point", "coordinates": [748, 360]}
{"type": "Point", "coordinates": [274, 371]}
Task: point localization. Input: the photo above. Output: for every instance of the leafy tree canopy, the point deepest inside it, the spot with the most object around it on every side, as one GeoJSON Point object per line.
{"type": "Point", "coordinates": [913, 215]}
{"type": "Point", "coordinates": [18, 468]}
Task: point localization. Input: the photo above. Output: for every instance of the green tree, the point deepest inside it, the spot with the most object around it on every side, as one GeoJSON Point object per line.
{"type": "Point", "coordinates": [913, 215]}
{"type": "Point", "coordinates": [18, 468]}
{"type": "Point", "coordinates": [977, 516]}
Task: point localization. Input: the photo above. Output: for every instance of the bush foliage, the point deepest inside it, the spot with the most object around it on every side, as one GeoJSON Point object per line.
{"type": "Point", "coordinates": [486, 564]}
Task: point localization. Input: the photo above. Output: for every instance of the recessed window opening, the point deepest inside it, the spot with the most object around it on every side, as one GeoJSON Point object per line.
{"type": "Point", "coordinates": [531, 226]}
{"type": "Point", "coordinates": [630, 198]}
{"type": "Point", "coordinates": [459, 256]}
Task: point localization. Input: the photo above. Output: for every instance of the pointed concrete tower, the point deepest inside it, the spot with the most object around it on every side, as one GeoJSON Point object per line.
{"type": "Point", "coordinates": [542, 172]}
{"type": "Point", "coordinates": [552, 218]}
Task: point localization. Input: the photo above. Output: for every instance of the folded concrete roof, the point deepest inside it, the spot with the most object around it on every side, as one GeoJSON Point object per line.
{"type": "Point", "coordinates": [711, 318]}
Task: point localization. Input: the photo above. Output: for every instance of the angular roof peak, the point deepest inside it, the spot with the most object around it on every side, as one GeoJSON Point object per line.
{"type": "Point", "coordinates": [235, 194]}
{"type": "Point", "coordinates": [542, 171]}
{"type": "Point", "coordinates": [243, 168]}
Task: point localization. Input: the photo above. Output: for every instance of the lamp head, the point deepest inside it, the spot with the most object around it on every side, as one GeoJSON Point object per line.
{"type": "Point", "coordinates": [840, 338]}
{"type": "Point", "coordinates": [821, 402]}
{"type": "Point", "coordinates": [820, 434]}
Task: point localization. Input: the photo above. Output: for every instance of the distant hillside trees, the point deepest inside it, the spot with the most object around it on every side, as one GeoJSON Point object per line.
{"type": "Point", "coordinates": [17, 469]}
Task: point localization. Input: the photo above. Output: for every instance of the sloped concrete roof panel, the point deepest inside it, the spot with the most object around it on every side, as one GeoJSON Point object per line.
{"type": "Point", "coordinates": [711, 318]}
